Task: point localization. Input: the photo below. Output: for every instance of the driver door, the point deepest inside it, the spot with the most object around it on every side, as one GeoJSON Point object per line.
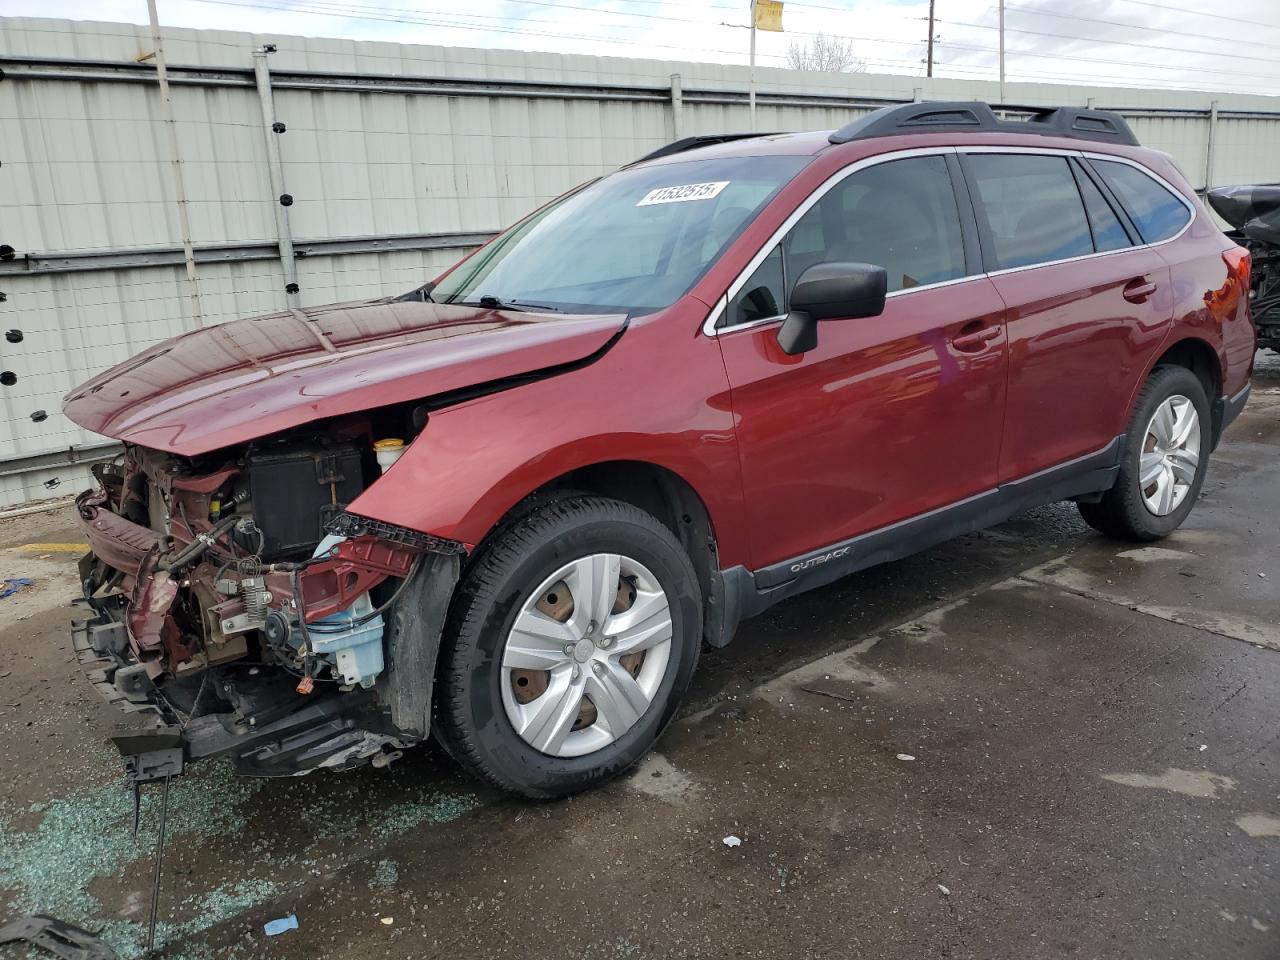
{"type": "Point", "coordinates": [890, 416]}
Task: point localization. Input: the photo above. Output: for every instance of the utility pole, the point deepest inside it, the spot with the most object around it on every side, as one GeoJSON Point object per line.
{"type": "Point", "coordinates": [1002, 52]}
{"type": "Point", "coordinates": [751, 81]}
{"type": "Point", "coordinates": [929, 69]}
{"type": "Point", "coordinates": [175, 166]}
{"type": "Point", "coordinates": [275, 170]}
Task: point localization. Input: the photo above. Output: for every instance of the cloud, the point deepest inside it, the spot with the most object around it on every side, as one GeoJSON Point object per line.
{"type": "Point", "coordinates": [1141, 43]}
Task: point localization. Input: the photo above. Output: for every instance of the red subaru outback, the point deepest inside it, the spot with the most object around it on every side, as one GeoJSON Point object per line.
{"type": "Point", "coordinates": [510, 506]}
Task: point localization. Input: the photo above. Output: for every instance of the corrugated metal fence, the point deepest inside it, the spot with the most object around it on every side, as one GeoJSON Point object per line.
{"type": "Point", "coordinates": [395, 160]}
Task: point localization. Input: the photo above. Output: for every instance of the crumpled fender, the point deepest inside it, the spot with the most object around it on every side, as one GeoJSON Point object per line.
{"type": "Point", "coordinates": [474, 461]}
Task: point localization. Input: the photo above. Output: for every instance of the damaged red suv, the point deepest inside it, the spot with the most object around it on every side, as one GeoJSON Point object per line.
{"type": "Point", "coordinates": [510, 507]}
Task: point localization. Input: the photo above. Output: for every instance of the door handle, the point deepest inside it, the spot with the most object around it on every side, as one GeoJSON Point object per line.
{"type": "Point", "coordinates": [975, 340]}
{"type": "Point", "coordinates": [1137, 291]}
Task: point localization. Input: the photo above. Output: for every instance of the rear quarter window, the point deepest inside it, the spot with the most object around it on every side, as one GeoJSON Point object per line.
{"type": "Point", "coordinates": [1108, 232]}
{"type": "Point", "coordinates": [1155, 210]}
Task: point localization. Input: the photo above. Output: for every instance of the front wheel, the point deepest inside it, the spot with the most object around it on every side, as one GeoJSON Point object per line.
{"type": "Point", "coordinates": [570, 642]}
{"type": "Point", "coordinates": [1165, 460]}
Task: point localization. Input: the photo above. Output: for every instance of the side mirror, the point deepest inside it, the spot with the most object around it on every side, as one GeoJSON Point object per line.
{"type": "Point", "coordinates": [830, 291]}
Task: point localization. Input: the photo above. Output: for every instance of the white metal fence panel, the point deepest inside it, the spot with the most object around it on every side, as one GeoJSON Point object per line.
{"type": "Point", "coordinates": [397, 158]}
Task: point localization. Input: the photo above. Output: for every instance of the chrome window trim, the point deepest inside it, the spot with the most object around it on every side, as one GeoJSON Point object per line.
{"type": "Point", "coordinates": [710, 329]}
{"type": "Point", "coordinates": [716, 313]}
{"type": "Point", "coordinates": [1191, 207]}
{"type": "Point", "coordinates": [823, 189]}
{"type": "Point", "coordinates": [1090, 155]}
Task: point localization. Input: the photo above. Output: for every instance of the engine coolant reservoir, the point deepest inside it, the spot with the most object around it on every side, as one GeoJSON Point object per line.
{"type": "Point", "coordinates": [388, 451]}
{"type": "Point", "coordinates": [350, 641]}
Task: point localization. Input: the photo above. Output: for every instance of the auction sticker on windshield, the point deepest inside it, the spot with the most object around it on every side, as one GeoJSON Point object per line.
{"type": "Point", "coordinates": [689, 191]}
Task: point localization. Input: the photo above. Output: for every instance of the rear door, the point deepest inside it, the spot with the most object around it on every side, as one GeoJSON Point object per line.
{"type": "Point", "coordinates": [889, 416]}
{"type": "Point", "coordinates": [1088, 302]}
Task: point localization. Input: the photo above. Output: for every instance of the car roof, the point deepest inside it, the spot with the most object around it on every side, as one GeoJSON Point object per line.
{"type": "Point", "coordinates": [960, 122]}
{"type": "Point", "coordinates": [804, 144]}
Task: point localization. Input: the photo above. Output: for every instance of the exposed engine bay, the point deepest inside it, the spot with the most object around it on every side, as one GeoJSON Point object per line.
{"type": "Point", "coordinates": [239, 608]}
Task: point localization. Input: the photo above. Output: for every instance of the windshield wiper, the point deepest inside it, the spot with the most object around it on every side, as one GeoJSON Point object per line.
{"type": "Point", "coordinates": [494, 303]}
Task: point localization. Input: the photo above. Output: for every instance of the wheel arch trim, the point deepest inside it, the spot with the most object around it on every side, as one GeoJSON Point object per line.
{"type": "Point", "coordinates": [1172, 352]}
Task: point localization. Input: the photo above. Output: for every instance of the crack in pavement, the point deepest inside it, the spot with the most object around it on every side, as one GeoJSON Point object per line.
{"type": "Point", "coordinates": [1164, 614]}
{"type": "Point", "coordinates": [1244, 685]}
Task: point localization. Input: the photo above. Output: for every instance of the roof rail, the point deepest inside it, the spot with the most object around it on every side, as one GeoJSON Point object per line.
{"type": "Point", "coordinates": [692, 143]}
{"type": "Point", "coordinates": [973, 116]}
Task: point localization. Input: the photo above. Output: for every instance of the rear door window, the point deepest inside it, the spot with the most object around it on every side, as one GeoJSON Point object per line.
{"type": "Point", "coordinates": [1033, 211]}
{"type": "Point", "coordinates": [1156, 212]}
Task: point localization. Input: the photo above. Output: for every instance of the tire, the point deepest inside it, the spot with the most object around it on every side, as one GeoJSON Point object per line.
{"type": "Point", "coordinates": [480, 696]}
{"type": "Point", "coordinates": [1123, 512]}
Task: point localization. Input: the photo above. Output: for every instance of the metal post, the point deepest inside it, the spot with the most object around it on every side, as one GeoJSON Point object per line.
{"type": "Point", "coordinates": [1208, 153]}
{"type": "Point", "coordinates": [929, 70]}
{"type": "Point", "coordinates": [262, 76]}
{"type": "Point", "coordinates": [1001, 51]}
{"type": "Point", "coordinates": [175, 164]}
{"type": "Point", "coordinates": [751, 80]}
{"type": "Point", "coordinates": [677, 108]}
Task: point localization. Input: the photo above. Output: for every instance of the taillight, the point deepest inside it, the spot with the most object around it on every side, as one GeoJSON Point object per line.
{"type": "Point", "coordinates": [1239, 265]}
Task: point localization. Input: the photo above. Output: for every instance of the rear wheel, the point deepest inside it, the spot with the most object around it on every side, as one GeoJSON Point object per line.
{"type": "Point", "coordinates": [1166, 456]}
{"type": "Point", "coordinates": [571, 641]}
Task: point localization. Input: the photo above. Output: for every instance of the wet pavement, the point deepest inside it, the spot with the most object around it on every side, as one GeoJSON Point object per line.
{"type": "Point", "coordinates": [1029, 742]}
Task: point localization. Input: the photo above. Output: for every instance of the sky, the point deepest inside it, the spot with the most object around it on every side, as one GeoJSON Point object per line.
{"type": "Point", "coordinates": [1172, 44]}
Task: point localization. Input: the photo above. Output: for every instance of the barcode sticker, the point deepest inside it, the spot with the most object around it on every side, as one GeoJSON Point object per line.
{"type": "Point", "coordinates": [680, 194]}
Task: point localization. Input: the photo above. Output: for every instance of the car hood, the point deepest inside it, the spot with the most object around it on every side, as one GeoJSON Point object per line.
{"type": "Point", "coordinates": [237, 381]}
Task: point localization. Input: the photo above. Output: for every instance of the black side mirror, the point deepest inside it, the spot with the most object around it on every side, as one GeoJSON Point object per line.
{"type": "Point", "coordinates": [830, 291]}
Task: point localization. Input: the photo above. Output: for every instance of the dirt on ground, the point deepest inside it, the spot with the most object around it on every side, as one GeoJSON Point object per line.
{"type": "Point", "coordinates": [1030, 742]}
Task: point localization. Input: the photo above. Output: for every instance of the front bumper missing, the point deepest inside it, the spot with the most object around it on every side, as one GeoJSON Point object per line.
{"type": "Point", "coordinates": [330, 730]}
{"type": "Point", "coordinates": [160, 644]}
{"type": "Point", "coordinates": [125, 686]}
{"type": "Point", "coordinates": [285, 734]}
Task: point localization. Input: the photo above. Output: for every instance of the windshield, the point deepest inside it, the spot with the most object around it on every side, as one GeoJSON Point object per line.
{"type": "Point", "coordinates": [634, 241]}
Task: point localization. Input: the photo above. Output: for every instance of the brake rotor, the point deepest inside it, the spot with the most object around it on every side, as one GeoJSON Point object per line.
{"type": "Point", "coordinates": [557, 603]}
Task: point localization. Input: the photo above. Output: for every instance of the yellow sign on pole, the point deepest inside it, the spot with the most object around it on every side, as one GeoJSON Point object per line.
{"type": "Point", "coordinates": [769, 15]}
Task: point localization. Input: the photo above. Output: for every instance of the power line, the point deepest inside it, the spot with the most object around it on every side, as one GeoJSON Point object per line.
{"type": "Point", "coordinates": [357, 11]}
{"type": "Point", "coordinates": [1123, 63]}
{"type": "Point", "coordinates": [346, 9]}
{"type": "Point", "coordinates": [1215, 14]}
{"type": "Point", "coordinates": [979, 71]}
{"type": "Point", "coordinates": [570, 6]}
{"type": "Point", "coordinates": [343, 12]}
{"type": "Point", "coordinates": [413, 15]}
{"type": "Point", "coordinates": [1120, 43]}
{"type": "Point", "coordinates": [1135, 26]}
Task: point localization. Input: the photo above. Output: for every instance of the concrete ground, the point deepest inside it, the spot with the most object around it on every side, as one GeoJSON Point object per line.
{"type": "Point", "coordinates": [1030, 742]}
